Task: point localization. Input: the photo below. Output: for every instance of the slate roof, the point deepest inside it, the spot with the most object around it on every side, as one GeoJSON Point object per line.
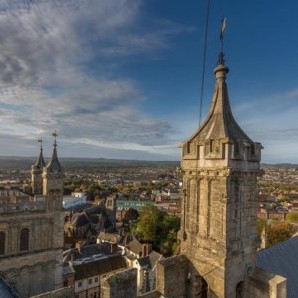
{"type": "Point", "coordinates": [98, 267]}
{"type": "Point", "coordinates": [282, 259]}
{"type": "Point", "coordinates": [87, 251]}
{"type": "Point", "coordinates": [98, 209]}
{"type": "Point", "coordinates": [6, 291]}
{"type": "Point", "coordinates": [54, 165]}
{"type": "Point", "coordinates": [79, 219]}
{"type": "Point", "coordinates": [40, 163]}
{"type": "Point", "coordinates": [145, 261]}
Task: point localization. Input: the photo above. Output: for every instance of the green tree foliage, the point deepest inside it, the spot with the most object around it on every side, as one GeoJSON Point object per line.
{"type": "Point", "coordinates": [261, 224]}
{"type": "Point", "coordinates": [278, 232]}
{"type": "Point", "coordinates": [157, 227]}
{"type": "Point", "coordinates": [130, 215]}
{"type": "Point", "coordinates": [293, 216]}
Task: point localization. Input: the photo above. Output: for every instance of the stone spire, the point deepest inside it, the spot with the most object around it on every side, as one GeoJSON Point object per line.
{"type": "Point", "coordinates": [220, 129]}
{"type": "Point", "coordinates": [36, 173]}
{"type": "Point", "coordinates": [54, 165]}
{"type": "Point", "coordinates": [40, 163]}
{"type": "Point", "coordinates": [53, 173]}
{"type": "Point", "coordinates": [220, 122]}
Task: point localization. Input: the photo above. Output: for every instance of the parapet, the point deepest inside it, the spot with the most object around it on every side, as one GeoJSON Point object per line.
{"type": "Point", "coordinates": [121, 284]}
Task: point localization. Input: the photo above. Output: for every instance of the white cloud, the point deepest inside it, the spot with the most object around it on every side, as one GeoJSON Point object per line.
{"type": "Point", "coordinates": [46, 48]}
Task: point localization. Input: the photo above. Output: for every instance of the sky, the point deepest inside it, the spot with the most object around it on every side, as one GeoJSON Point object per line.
{"type": "Point", "coordinates": [122, 78]}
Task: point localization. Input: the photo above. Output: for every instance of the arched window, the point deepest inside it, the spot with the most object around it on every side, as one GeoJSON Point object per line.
{"type": "Point", "coordinates": [240, 289]}
{"type": "Point", "coordinates": [2, 243]}
{"type": "Point", "coordinates": [24, 240]}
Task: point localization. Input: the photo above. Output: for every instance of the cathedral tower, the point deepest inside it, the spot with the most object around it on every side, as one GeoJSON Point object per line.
{"type": "Point", "coordinates": [220, 165]}
{"type": "Point", "coordinates": [53, 174]}
{"type": "Point", "coordinates": [31, 232]}
{"type": "Point", "coordinates": [36, 173]}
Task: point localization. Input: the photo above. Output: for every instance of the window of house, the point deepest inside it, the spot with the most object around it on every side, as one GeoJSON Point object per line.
{"type": "Point", "coordinates": [252, 150]}
{"type": "Point", "coordinates": [96, 279]}
{"type": "Point", "coordinates": [65, 283]}
{"type": "Point", "coordinates": [2, 243]}
{"type": "Point", "coordinates": [90, 281]}
{"type": "Point", "coordinates": [79, 284]}
{"type": "Point", "coordinates": [24, 240]}
{"type": "Point", "coordinates": [236, 148]}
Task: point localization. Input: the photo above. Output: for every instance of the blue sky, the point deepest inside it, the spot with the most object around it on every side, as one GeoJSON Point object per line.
{"type": "Point", "coordinates": [121, 78]}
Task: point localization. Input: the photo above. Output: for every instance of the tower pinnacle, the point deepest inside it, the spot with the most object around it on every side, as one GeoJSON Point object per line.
{"type": "Point", "coordinates": [53, 173]}
{"type": "Point", "coordinates": [54, 165]}
{"type": "Point", "coordinates": [40, 162]}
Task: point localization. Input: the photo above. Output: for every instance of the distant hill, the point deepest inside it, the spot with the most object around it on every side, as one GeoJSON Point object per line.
{"type": "Point", "coordinates": [279, 165]}
{"type": "Point", "coordinates": [24, 163]}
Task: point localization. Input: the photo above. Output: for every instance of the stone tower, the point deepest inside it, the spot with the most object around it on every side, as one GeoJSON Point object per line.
{"type": "Point", "coordinates": [31, 232]}
{"type": "Point", "coordinates": [220, 165]}
{"type": "Point", "coordinates": [36, 173]}
{"type": "Point", "coordinates": [53, 174]}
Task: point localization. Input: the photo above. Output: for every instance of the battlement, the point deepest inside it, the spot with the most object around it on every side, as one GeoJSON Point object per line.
{"type": "Point", "coordinates": [20, 202]}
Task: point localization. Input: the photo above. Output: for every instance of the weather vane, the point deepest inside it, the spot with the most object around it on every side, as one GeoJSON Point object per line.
{"type": "Point", "coordinates": [221, 60]}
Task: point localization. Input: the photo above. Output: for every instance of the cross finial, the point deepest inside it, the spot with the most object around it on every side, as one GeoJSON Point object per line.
{"type": "Point", "coordinates": [221, 59]}
{"type": "Point", "coordinates": [39, 140]}
{"type": "Point", "coordinates": [55, 135]}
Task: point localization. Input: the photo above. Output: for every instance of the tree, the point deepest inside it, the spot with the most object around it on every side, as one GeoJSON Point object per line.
{"type": "Point", "coordinates": [158, 228]}
{"type": "Point", "coordinates": [261, 224]}
{"type": "Point", "coordinates": [293, 216]}
{"type": "Point", "coordinates": [131, 214]}
{"type": "Point", "coordinates": [278, 232]}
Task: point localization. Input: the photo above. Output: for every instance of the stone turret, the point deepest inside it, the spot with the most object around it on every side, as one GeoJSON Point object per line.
{"type": "Point", "coordinates": [53, 174]}
{"type": "Point", "coordinates": [36, 173]}
{"type": "Point", "coordinates": [220, 164]}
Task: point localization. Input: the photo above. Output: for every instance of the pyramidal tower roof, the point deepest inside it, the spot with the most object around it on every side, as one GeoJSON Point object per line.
{"type": "Point", "coordinates": [54, 165]}
{"type": "Point", "coordinates": [40, 163]}
{"type": "Point", "coordinates": [220, 122]}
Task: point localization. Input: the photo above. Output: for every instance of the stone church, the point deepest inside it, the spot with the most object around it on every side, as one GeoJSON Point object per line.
{"type": "Point", "coordinates": [31, 231]}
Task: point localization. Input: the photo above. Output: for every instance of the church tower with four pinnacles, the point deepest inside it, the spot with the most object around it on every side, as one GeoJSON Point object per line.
{"type": "Point", "coordinates": [31, 231]}
{"type": "Point", "coordinates": [220, 165]}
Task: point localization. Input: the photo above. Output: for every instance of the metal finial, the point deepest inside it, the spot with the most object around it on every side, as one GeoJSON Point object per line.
{"type": "Point", "coordinates": [221, 59]}
{"type": "Point", "coordinates": [55, 135]}
{"type": "Point", "coordinates": [39, 140]}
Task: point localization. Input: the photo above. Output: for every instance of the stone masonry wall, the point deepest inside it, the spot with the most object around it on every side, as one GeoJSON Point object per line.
{"type": "Point", "coordinates": [122, 284]}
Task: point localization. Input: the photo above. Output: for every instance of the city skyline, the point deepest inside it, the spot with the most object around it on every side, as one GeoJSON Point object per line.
{"type": "Point", "coordinates": [121, 78]}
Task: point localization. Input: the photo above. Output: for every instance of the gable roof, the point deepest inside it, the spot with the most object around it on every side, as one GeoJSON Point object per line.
{"type": "Point", "coordinates": [98, 267]}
